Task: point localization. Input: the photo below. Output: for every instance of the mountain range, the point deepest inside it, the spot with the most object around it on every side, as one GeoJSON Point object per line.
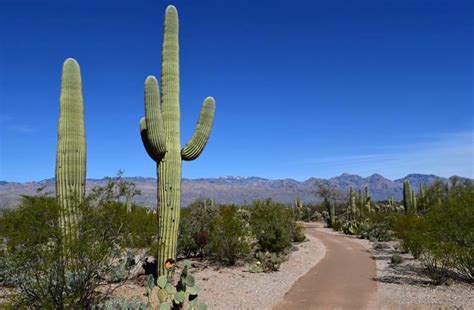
{"type": "Point", "coordinates": [237, 190]}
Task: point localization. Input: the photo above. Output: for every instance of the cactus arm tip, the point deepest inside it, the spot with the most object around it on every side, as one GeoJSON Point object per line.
{"type": "Point", "coordinates": [201, 134]}
{"type": "Point", "coordinates": [171, 8]}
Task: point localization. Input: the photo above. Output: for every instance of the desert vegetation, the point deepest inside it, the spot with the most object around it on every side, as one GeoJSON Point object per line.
{"type": "Point", "coordinates": [75, 248]}
{"type": "Point", "coordinates": [434, 225]}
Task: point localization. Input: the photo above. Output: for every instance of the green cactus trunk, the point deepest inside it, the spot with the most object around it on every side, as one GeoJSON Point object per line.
{"type": "Point", "coordinates": [352, 203]}
{"type": "Point", "coordinates": [359, 198]}
{"type": "Point", "coordinates": [367, 198]}
{"type": "Point", "coordinates": [407, 197]}
{"type": "Point", "coordinates": [332, 214]}
{"type": "Point", "coordinates": [71, 149]}
{"type": "Point", "coordinates": [160, 132]}
{"type": "Point", "coordinates": [413, 200]}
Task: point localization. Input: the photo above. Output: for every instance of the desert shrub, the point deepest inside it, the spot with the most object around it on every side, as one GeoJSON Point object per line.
{"type": "Point", "coordinates": [49, 272]}
{"type": "Point", "coordinates": [381, 245]}
{"type": "Point", "coordinates": [266, 262]}
{"type": "Point", "coordinates": [194, 226]}
{"type": "Point", "coordinates": [443, 238]}
{"type": "Point", "coordinates": [187, 245]}
{"type": "Point", "coordinates": [356, 228]}
{"type": "Point", "coordinates": [336, 225]}
{"type": "Point", "coordinates": [113, 201]}
{"type": "Point", "coordinates": [122, 304]}
{"type": "Point", "coordinates": [396, 259]}
{"type": "Point", "coordinates": [407, 227]}
{"type": "Point", "coordinates": [297, 234]}
{"type": "Point", "coordinates": [272, 224]}
{"type": "Point", "coordinates": [36, 260]}
{"type": "Point", "coordinates": [230, 237]}
{"type": "Point", "coordinates": [378, 227]}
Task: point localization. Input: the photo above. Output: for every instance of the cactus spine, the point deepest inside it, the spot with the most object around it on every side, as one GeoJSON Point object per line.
{"type": "Point", "coordinates": [407, 199]}
{"type": "Point", "coordinates": [160, 132]}
{"type": "Point", "coordinates": [352, 202]}
{"type": "Point", "coordinates": [71, 149]}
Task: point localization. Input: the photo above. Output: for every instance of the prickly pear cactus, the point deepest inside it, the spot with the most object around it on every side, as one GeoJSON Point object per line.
{"type": "Point", "coordinates": [71, 149]}
{"type": "Point", "coordinates": [183, 295]}
{"type": "Point", "coordinates": [160, 132]}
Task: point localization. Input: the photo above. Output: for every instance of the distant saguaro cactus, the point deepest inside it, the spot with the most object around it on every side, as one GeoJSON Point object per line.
{"type": "Point", "coordinates": [160, 132]}
{"type": "Point", "coordinates": [359, 198]}
{"type": "Point", "coordinates": [413, 200]}
{"type": "Point", "coordinates": [367, 198]}
{"type": "Point", "coordinates": [352, 202]}
{"type": "Point", "coordinates": [407, 196]}
{"type": "Point", "coordinates": [71, 148]}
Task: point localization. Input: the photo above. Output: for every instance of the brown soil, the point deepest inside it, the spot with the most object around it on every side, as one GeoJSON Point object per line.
{"type": "Point", "coordinates": [344, 279]}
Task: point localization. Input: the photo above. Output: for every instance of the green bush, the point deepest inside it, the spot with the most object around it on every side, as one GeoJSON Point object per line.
{"type": "Point", "coordinates": [35, 250]}
{"type": "Point", "coordinates": [443, 238]}
{"type": "Point", "coordinates": [272, 224]}
{"type": "Point", "coordinates": [193, 235]}
{"type": "Point", "coordinates": [396, 259]}
{"type": "Point", "coordinates": [267, 262]}
{"type": "Point", "coordinates": [230, 237]}
{"type": "Point", "coordinates": [298, 233]}
{"type": "Point", "coordinates": [48, 272]}
{"type": "Point", "coordinates": [378, 227]}
{"type": "Point", "coordinates": [337, 225]}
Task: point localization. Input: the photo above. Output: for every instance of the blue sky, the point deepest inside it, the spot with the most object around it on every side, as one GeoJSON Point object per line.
{"type": "Point", "coordinates": [302, 88]}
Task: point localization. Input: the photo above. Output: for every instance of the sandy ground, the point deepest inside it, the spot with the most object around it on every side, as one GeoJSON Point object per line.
{"type": "Point", "coordinates": [342, 280]}
{"type": "Point", "coordinates": [233, 288]}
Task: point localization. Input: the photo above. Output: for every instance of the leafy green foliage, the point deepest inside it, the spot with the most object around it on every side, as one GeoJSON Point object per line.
{"type": "Point", "coordinates": [266, 262]}
{"type": "Point", "coordinates": [396, 259]}
{"type": "Point", "coordinates": [194, 227]}
{"type": "Point", "coordinates": [273, 224]}
{"type": "Point", "coordinates": [297, 234]}
{"type": "Point", "coordinates": [35, 250]}
{"type": "Point", "coordinates": [230, 237]}
{"type": "Point", "coordinates": [443, 238]}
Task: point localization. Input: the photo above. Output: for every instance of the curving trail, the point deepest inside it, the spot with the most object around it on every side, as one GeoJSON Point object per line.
{"type": "Point", "coordinates": [342, 280]}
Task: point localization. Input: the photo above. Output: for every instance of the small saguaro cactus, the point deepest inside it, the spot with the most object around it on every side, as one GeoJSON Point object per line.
{"type": "Point", "coordinates": [332, 214]}
{"type": "Point", "coordinates": [413, 200]}
{"type": "Point", "coordinates": [71, 149]}
{"type": "Point", "coordinates": [160, 132]}
{"type": "Point", "coordinates": [359, 198]}
{"type": "Point", "coordinates": [352, 202]}
{"type": "Point", "coordinates": [407, 197]}
{"type": "Point", "coordinates": [367, 198]}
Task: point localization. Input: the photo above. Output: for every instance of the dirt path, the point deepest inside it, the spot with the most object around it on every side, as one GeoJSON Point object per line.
{"type": "Point", "coordinates": [342, 280]}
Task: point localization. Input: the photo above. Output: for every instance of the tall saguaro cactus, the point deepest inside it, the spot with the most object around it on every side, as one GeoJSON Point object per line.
{"type": "Point", "coordinates": [407, 197]}
{"type": "Point", "coordinates": [160, 132]}
{"type": "Point", "coordinates": [71, 148]}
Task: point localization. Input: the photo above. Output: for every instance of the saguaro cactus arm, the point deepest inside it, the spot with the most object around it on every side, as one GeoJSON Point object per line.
{"type": "Point", "coordinates": [201, 134]}
{"type": "Point", "coordinates": [155, 135]}
{"type": "Point", "coordinates": [146, 143]}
